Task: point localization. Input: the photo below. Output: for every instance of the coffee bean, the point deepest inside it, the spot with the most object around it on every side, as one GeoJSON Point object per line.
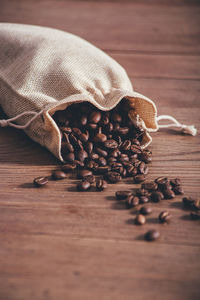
{"type": "Point", "coordinates": [126, 145]}
{"type": "Point", "coordinates": [140, 220]}
{"type": "Point", "coordinates": [188, 202]}
{"type": "Point", "coordinates": [68, 167]}
{"type": "Point", "coordinates": [143, 168]}
{"type": "Point", "coordinates": [101, 185]}
{"type": "Point", "coordinates": [175, 181]}
{"type": "Point", "coordinates": [135, 149]}
{"type": "Point", "coordinates": [150, 186]}
{"type": "Point", "coordinates": [115, 117]}
{"type": "Point", "coordinates": [94, 156]}
{"type": "Point", "coordinates": [102, 170]}
{"type": "Point", "coordinates": [89, 147]}
{"type": "Point", "coordinates": [90, 178]}
{"type": "Point", "coordinates": [142, 192]}
{"type": "Point", "coordinates": [144, 199]}
{"type": "Point", "coordinates": [83, 173]}
{"type": "Point", "coordinates": [152, 235]}
{"type": "Point", "coordinates": [122, 195]}
{"type": "Point", "coordinates": [113, 177]}
{"type": "Point", "coordinates": [195, 215]}
{"type": "Point", "coordinates": [145, 157]}
{"type": "Point", "coordinates": [79, 164]}
{"type": "Point", "coordinates": [83, 186]}
{"type": "Point", "coordinates": [163, 183]}
{"type": "Point", "coordinates": [69, 157]}
{"type": "Point", "coordinates": [100, 138]}
{"type": "Point", "coordinates": [81, 155]}
{"type": "Point", "coordinates": [131, 201]}
{"type": "Point", "coordinates": [101, 161]}
{"type": "Point", "coordinates": [123, 130]}
{"type": "Point", "coordinates": [145, 210]}
{"type": "Point", "coordinates": [110, 144]}
{"type": "Point", "coordinates": [139, 178]}
{"type": "Point", "coordinates": [156, 196]}
{"type": "Point", "coordinates": [40, 181]}
{"type": "Point", "coordinates": [101, 152]}
{"type": "Point", "coordinates": [168, 194]}
{"type": "Point", "coordinates": [164, 217]}
{"type": "Point", "coordinates": [67, 147]}
{"type": "Point", "coordinates": [178, 190]}
{"type": "Point", "coordinates": [58, 175]}
{"type": "Point", "coordinates": [95, 117]}
{"type": "Point", "coordinates": [83, 120]}
{"type": "Point", "coordinates": [114, 153]}
{"type": "Point", "coordinates": [92, 126]}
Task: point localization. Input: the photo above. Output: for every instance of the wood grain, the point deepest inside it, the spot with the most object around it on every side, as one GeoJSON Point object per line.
{"type": "Point", "coordinates": [57, 243]}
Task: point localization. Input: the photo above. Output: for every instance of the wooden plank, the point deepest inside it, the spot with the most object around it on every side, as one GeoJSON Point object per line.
{"type": "Point", "coordinates": [157, 28]}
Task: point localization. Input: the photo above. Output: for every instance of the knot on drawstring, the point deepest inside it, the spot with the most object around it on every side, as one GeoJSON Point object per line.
{"type": "Point", "coordinates": [8, 122]}
{"type": "Point", "coordinates": [186, 129]}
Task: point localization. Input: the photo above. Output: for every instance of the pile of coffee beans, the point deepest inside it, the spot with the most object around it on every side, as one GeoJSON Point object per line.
{"type": "Point", "coordinates": [106, 144]}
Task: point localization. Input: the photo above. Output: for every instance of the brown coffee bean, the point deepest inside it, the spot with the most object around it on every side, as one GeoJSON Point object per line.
{"type": "Point", "coordinates": [152, 235]}
{"type": "Point", "coordinates": [94, 156]}
{"type": "Point", "coordinates": [101, 185]}
{"type": "Point", "coordinates": [163, 183]}
{"type": "Point", "coordinates": [101, 161]}
{"type": "Point", "coordinates": [140, 220]}
{"type": "Point", "coordinates": [69, 157]}
{"type": "Point", "coordinates": [67, 147]}
{"type": "Point", "coordinates": [83, 173]}
{"type": "Point", "coordinates": [68, 167]}
{"type": "Point", "coordinates": [135, 149]}
{"type": "Point", "coordinates": [95, 117]}
{"type": "Point", "coordinates": [92, 126]}
{"type": "Point", "coordinates": [168, 194]}
{"type": "Point", "coordinates": [126, 145]}
{"type": "Point", "coordinates": [81, 155]}
{"type": "Point", "coordinates": [122, 195]}
{"type": "Point", "coordinates": [89, 147]}
{"type": "Point", "coordinates": [195, 215]}
{"type": "Point", "coordinates": [131, 201]}
{"type": "Point", "coordinates": [156, 196]}
{"type": "Point", "coordinates": [102, 170]}
{"type": "Point", "coordinates": [101, 152]}
{"type": "Point", "coordinates": [145, 210]}
{"type": "Point", "coordinates": [113, 177]}
{"type": "Point", "coordinates": [122, 130]}
{"type": "Point", "coordinates": [110, 144]}
{"type": "Point", "coordinates": [188, 202]}
{"type": "Point", "coordinates": [175, 181]}
{"type": "Point", "coordinates": [142, 192]}
{"type": "Point", "coordinates": [79, 164]}
{"type": "Point", "coordinates": [66, 129]}
{"type": "Point", "coordinates": [143, 168]}
{"type": "Point", "coordinates": [145, 157]}
{"type": "Point", "coordinates": [150, 186]}
{"type": "Point", "coordinates": [144, 199]}
{"type": "Point", "coordinates": [164, 217]}
{"type": "Point", "coordinates": [135, 142]}
{"type": "Point", "coordinates": [58, 175]}
{"type": "Point", "coordinates": [115, 117]}
{"type": "Point", "coordinates": [178, 190]}
{"type": "Point", "coordinates": [100, 138]}
{"type": "Point", "coordinates": [139, 178]}
{"type": "Point", "coordinates": [83, 186]}
{"type": "Point", "coordinates": [40, 181]}
{"type": "Point", "coordinates": [114, 153]}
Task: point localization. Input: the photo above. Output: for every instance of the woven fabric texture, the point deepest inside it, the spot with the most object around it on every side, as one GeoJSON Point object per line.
{"type": "Point", "coordinates": [47, 69]}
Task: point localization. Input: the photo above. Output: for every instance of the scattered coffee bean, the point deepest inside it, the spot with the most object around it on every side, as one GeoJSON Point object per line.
{"type": "Point", "coordinates": [178, 190]}
{"type": "Point", "coordinates": [68, 167]}
{"type": "Point", "coordinates": [122, 195]}
{"type": "Point", "coordinates": [139, 178]}
{"type": "Point", "coordinates": [113, 177]}
{"type": "Point", "coordinates": [90, 178]}
{"type": "Point", "coordinates": [164, 217]}
{"type": "Point", "coordinates": [83, 173]}
{"type": "Point", "coordinates": [58, 175]}
{"type": "Point", "coordinates": [145, 210]}
{"type": "Point", "coordinates": [152, 235]}
{"type": "Point", "coordinates": [175, 181]}
{"type": "Point", "coordinates": [156, 196]}
{"type": "Point", "coordinates": [150, 186]}
{"type": "Point", "coordinates": [40, 181]}
{"type": "Point", "coordinates": [83, 186]}
{"type": "Point", "coordinates": [131, 201]}
{"type": "Point", "coordinates": [140, 219]}
{"type": "Point", "coordinates": [144, 199]}
{"type": "Point", "coordinates": [168, 194]}
{"type": "Point", "coordinates": [101, 185]}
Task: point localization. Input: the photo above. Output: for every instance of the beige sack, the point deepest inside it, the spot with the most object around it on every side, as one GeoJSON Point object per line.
{"type": "Point", "coordinates": [43, 70]}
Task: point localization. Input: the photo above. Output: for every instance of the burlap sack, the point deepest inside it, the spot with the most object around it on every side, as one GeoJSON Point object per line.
{"type": "Point", "coordinates": [43, 70]}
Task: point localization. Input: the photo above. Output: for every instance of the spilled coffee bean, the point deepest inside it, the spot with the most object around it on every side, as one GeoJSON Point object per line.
{"type": "Point", "coordinates": [40, 181]}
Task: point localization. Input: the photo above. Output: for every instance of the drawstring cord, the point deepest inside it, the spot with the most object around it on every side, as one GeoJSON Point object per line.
{"type": "Point", "coordinates": [191, 130]}
{"type": "Point", "coordinates": [8, 122]}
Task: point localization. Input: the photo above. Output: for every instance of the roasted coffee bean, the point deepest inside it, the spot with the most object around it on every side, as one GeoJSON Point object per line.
{"type": "Point", "coordinates": [111, 160]}
{"type": "Point", "coordinates": [67, 147]}
{"type": "Point", "coordinates": [84, 137]}
{"type": "Point", "coordinates": [92, 126]}
{"type": "Point", "coordinates": [79, 164]}
{"type": "Point", "coordinates": [178, 190]}
{"type": "Point", "coordinates": [188, 202]}
{"type": "Point", "coordinates": [40, 181]}
{"type": "Point", "coordinates": [94, 156]}
{"type": "Point", "coordinates": [90, 178]}
{"type": "Point", "coordinates": [101, 185]}
{"type": "Point", "coordinates": [58, 175]}
{"type": "Point", "coordinates": [101, 152]}
{"type": "Point", "coordinates": [70, 157]}
{"type": "Point", "coordinates": [140, 219]}
{"type": "Point", "coordinates": [81, 155]}
{"type": "Point", "coordinates": [113, 177]}
{"type": "Point", "coordinates": [156, 196]}
{"type": "Point", "coordinates": [133, 172]}
{"type": "Point", "coordinates": [168, 194]}
{"type": "Point", "coordinates": [139, 178]}
{"type": "Point", "coordinates": [135, 142]}
{"type": "Point", "coordinates": [195, 215]}
{"type": "Point", "coordinates": [83, 120]}
{"type": "Point", "coordinates": [164, 217]}
{"type": "Point", "coordinates": [175, 181]}
{"type": "Point", "coordinates": [110, 144]}
{"type": "Point", "coordinates": [142, 192]}
{"type": "Point", "coordinates": [126, 145]}
{"type": "Point", "coordinates": [131, 201]}
{"type": "Point", "coordinates": [135, 149]}
{"type": "Point", "coordinates": [122, 195]}
{"type": "Point", "coordinates": [145, 157]}
{"type": "Point", "coordinates": [100, 138]}
{"type": "Point", "coordinates": [122, 130]}
{"type": "Point", "coordinates": [89, 147]}
{"type": "Point", "coordinates": [101, 161]}
{"type": "Point", "coordinates": [115, 153]}
{"type": "Point", "coordinates": [152, 235]}
{"type": "Point", "coordinates": [68, 167]}
{"type": "Point", "coordinates": [108, 128]}
{"type": "Point", "coordinates": [145, 210]}
{"type": "Point", "coordinates": [123, 157]}
{"type": "Point", "coordinates": [115, 117]}
{"type": "Point", "coordinates": [150, 186]}
{"type": "Point", "coordinates": [103, 170]}
{"type": "Point", "coordinates": [66, 129]}
{"type": "Point", "coordinates": [83, 186]}
{"type": "Point", "coordinates": [143, 168]}
{"type": "Point", "coordinates": [95, 117]}
{"type": "Point", "coordinates": [144, 199]}
{"type": "Point", "coordinates": [83, 173]}
{"type": "Point", "coordinates": [163, 183]}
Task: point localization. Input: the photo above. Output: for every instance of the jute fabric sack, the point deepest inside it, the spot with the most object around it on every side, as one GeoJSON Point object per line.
{"type": "Point", "coordinates": [43, 70]}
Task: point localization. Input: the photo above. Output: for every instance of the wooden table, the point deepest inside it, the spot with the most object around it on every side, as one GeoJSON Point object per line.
{"type": "Point", "coordinates": [59, 244]}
